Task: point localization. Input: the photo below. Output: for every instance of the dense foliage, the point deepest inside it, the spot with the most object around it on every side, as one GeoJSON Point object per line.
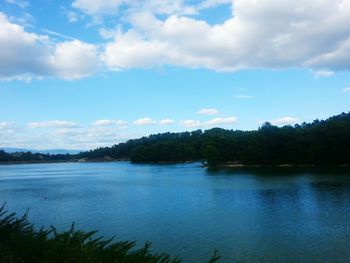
{"type": "Point", "coordinates": [21, 243]}
{"type": "Point", "coordinates": [320, 142]}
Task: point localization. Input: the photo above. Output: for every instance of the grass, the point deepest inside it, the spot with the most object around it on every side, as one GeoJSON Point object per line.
{"type": "Point", "coordinates": [21, 243]}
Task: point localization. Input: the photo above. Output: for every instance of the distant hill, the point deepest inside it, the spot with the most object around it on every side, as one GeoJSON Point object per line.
{"type": "Point", "coordinates": [58, 151]}
{"type": "Point", "coordinates": [50, 151]}
{"type": "Point", "coordinates": [325, 142]}
{"type": "Point", "coordinates": [13, 150]}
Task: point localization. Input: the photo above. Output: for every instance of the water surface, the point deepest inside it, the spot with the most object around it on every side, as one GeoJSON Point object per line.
{"type": "Point", "coordinates": [187, 211]}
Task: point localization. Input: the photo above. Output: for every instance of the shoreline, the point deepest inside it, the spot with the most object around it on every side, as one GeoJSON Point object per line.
{"type": "Point", "coordinates": [203, 164]}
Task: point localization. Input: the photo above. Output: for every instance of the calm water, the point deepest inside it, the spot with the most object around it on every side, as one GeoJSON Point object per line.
{"type": "Point", "coordinates": [188, 211]}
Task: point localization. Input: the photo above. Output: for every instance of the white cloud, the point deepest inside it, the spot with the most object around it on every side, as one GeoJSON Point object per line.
{"type": "Point", "coordinates": [98, 7]}
{"type": "Point", "coordinates": [7, 128]}
{"type": "Point", "coordinates": [21, 4]}
{"type": "Point", "coordinates": [25, 19]}
{"type": "Point", "coordinates": [74, 59]}
{"type": "Point", "coordinates": [108, 33]}
{"type": "Point", "coordinates": [88, 138]}
{"type": "Point", "coordinates": [191, 123]}
{"type": "Point", "coordinates": [53, 124]}
{"type": "Point", "coordinates": [53, 33]}
{"type": "Point", "coordinates": [112, 7]}
{"type": "Point", "coordinates": [323, 73]}
{"type": "Point", "coordinates": [346, 90]}
{"type": "Point", "coordinates": [26, 55]}
{"type": "Point", "coordinates": [208, 111]}
{"type": "Point", "coordinates": [109, 123]}
{"type": "Point", "coordinates": [145, 121]}
{"type": "Point", "coordinates": [73, 17]}
{"type": "Point", "coordinates": [337, 58]}
{"type": "Point", "coordinates": [166, 121]}
{"type": "Point", "coordinates": [166, 7]}
{"type": "Point", "coordinates": [260, 34]}
{"type": "Point", "coordinates": [21, 53]}
{"type": "Point", "coordinates": [5, 125]}
{"type": "Point", "coordinates": [130, 51]}
{"type": "Point", "coordinates": [83, 138]}
{"type": "Point", "coordinates": [8, 135]}
{"type": "Point", "coordinates": [284, 121]}
{"type": "Point", "coordinates": [212, 3]}
{"type": "Point", "coordinates": [221, 121]}
{"type": "Point", "coordinates": [59, 134]}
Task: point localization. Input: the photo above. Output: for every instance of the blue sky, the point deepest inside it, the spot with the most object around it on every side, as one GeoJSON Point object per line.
{"type": "Point", "coordinates": [81, 74]}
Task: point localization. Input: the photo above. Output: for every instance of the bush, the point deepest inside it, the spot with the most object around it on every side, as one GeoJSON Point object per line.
{"type": "Point", "coordinates": [20, 242]}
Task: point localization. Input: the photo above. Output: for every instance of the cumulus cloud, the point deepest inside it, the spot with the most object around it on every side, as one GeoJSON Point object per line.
{"type": "Point", "coordinates": [166, 121]}
{"type": "Point", "coordinates": [260, 34]}
{"type": "Point", "coordinates": [208, 111]}
{"type": "Point", "coordinates": [53, 124]}
{"type": "Point", "coordinates": [145, 121]}
{"type": "Point", "coordinates": [284, 121]}
{"type": "Point", "coordinates": [211, 123]}
{"type": "Point", "coordinates": [192, 123]}
{"type": "Point", "coordinates": [109, 123]}
{"type": "Point", "coordinates": [221, 121]}
{"type": "Point", "coordinates": [108, 33]}
{"type": "Point", "coordinates": [74, 59]}
{"type": "Point", "coordinates": [346, 90]}
{"type": "Point", "coordinates": [25, 55]}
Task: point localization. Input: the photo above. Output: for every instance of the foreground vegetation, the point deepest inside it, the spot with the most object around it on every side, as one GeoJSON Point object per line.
{"type": "Point", "coordinates": [318, 143]}
{"type": "Point", "coordinates": [21, 243]}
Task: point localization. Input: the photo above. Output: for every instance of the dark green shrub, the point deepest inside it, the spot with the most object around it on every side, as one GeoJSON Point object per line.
{"type": "Point", "coordinates": [21, 243]}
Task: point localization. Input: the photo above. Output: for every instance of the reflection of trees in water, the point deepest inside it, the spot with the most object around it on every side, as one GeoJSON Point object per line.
{"type": "Point", "coordinates": [306, 220]}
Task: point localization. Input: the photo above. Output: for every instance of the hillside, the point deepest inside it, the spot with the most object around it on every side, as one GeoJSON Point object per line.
{"type": "Point", "coordinates": [320, 142]}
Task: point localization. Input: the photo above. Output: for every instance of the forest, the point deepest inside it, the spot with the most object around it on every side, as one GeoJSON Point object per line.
{"type": "Point", "coordinates": [325, 142]}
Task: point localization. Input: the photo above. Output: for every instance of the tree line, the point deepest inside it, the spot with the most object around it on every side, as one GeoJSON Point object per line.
{"type": "Point", "coordinates": [320, 142]}
{"type": "Point", "coordinates": [316, 143]}
{"type": "Point", "coordinates": [29, 157]}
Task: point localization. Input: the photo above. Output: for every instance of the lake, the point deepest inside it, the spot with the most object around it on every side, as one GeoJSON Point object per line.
{"type": "Point", "coordinates": [188, 211]}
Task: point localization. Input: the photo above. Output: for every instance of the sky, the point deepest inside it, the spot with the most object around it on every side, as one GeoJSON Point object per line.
{"type": "Point", "coordinates": [80, 74]}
